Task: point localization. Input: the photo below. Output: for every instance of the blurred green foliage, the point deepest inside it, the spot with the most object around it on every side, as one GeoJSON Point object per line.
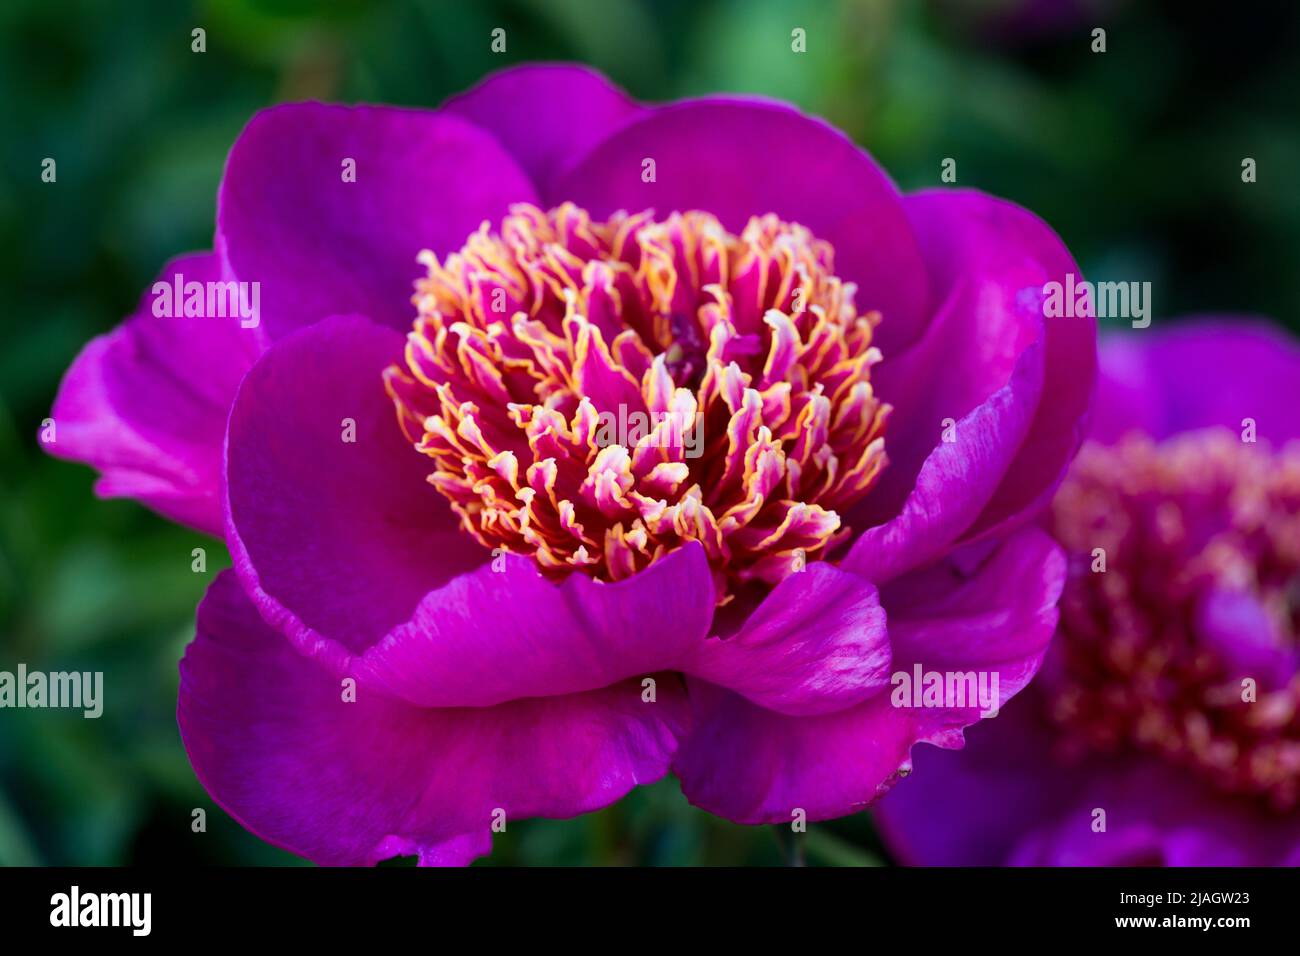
{"type": "Point", "coordinates": [1133, 155]}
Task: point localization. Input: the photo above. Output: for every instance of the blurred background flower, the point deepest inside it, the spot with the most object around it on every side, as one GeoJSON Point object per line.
{"type": "Point", "coordinates": [1133, 155]}
{"type": "Point", "coordinates": [1164, 726]}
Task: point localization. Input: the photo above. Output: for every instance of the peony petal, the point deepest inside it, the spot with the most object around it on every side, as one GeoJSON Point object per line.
{"type": "Point", "coordinates": [956, 482]}
{"type": "Point", "coordinates": [989, 343]}
{"type": "Point", "coordinates": [1199, 373]}
{"type": "Point", "coordinates": [335, 541]}
{"type": "Point", "coordinates": [1006, 800]}
{"type": "Point", "coordinates": [753, 765]}
{"type": "Point", "coordinates": [990, 260]}
{"type": "Point", "coordinates": [997, 617]}
{"type": "Point", "coordinates": [969, 807]}
{"type": "Point", "coordinates": [288, 217]}
{"type": "Point", "coordinates": [351, 782]}
{"type": "Point", "coordinates": [738, 158]}
{"type": "Point", "coordinates": [1239, 628]}
{"type": "Point", "coordinates": [146, 404]}
{"type": "Point", "coordinates": [968, 353]}
{"type": "Point", "coordinates": [496, 635]}
{"type": "Point", "coordinates": [548, 115]}
{"type": "Point", "coordinates": [970, 231]}
{"type": "Point", "coordinates": [1156, 815]}
{"type": "Point", "coordinates": [817, 643]}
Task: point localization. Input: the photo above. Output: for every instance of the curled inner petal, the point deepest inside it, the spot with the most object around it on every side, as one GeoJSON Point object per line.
{"type": "Point", "coordinates": [596, 394]}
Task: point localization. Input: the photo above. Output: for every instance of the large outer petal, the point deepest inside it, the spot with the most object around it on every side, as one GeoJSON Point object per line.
{"type": "Point", "coordinates": [320, 245]}
{"type": "Point", "coordinates": [753, 765]}
{"type": "Point", "coordinates": [1009, 240]}
{"type": "Point", "coordinates": [990, 360]}
{"type": "Point", "coordinates": [1199, 372]}
{"type": "Point", "coordinates": [738, 158]}
{"type": "Point", "coordinates": [336, 542]}
{"type": "Point", "coordinates": [548, 115]}
{"type": "Point", "coordinates": [146, 404]}
{"type": "Point", "coordinates": [275, 744]}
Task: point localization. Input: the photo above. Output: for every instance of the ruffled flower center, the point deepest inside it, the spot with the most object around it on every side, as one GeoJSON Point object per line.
{"type": "Point", "coordinates": [595, 395]}
{"type": "Point", "coordinates": [1186, 644]}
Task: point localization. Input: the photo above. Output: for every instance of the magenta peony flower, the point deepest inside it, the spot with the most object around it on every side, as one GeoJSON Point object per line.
{"type": "Point", "coordinates": [1171, 699]}
{"type": "Point", "coordinates": [694, 431]}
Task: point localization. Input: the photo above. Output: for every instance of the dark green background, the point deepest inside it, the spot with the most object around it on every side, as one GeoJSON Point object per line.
{"type": "Point", "coordinates": [1133, 155]}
